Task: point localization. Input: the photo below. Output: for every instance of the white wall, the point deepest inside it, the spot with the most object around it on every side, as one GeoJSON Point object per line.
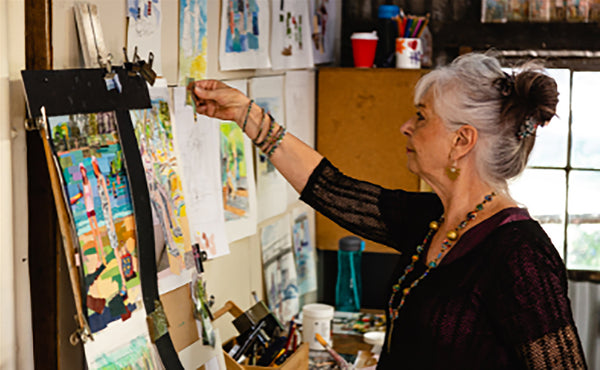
{"type": "Point", "coordinates": [16, 347]}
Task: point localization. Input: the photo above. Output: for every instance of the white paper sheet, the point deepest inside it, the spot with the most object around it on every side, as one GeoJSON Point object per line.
{"type": "Point", "coordinates": [300, 112]}
{"type": "Point", "coordinates": [279, 269]}
{"type": "Point", "coordinates": [244, 37]}
{"type": "Point", "coordinates": [123, 345]}
{"type": "Point", "coordinates": [271, 186]}
{"type": "Point", "coordinates": [237, 177]}
{"type": "Point", "coordinates": [323, 20]}
{"type": "Point", "coordinates": [291, 45]}
{"type": "Point", "coordinates": [197, 144]}
{"type": "Point", "coordinates": [144, 31]}
{"type": "Point", "coordinates": [192, 40]}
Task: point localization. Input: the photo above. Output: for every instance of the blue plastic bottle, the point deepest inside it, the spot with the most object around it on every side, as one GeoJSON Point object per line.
{"type": "Point", "coordinates": [348, 289]}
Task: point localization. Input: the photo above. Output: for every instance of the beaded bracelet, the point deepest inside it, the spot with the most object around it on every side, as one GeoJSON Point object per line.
{"type": "Point", "coordinates": [269, 133]}
{"type": "Point", "coordinates": [247, 114]}
{"type": "Point", "coordinates": [272, 140]}
{"type": "Point", "coordinates": [260, 126]}
{"type": "Point", "coordinates": [277, 142]}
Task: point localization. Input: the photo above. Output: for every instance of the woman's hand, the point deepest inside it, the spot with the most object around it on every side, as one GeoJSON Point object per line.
{"type": "Point", "coordinates": [215, 99]}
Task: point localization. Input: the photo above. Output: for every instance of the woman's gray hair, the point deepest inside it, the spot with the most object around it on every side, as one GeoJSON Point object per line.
{"type": "Point", "coordinates": [474, 90]}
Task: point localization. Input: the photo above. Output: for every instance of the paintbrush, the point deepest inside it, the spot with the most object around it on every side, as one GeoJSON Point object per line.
{"type": "Point", "coordinates": [340, 360]}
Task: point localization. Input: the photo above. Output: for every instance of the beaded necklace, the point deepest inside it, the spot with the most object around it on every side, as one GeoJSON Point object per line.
{"type": "Point", "coordinates": [451, 237]}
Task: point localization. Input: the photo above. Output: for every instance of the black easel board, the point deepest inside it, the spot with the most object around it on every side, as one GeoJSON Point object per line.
{"type": "Point", "coordinates": [84, 91]}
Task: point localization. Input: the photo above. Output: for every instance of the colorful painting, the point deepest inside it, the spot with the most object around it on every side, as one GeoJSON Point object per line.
{"type": "Point", "coordinates": [237, 177]}
{"type": "Point", "coordinates": [290, 35]}
{"type": "Point", "coordinates": [192, 40]}
{"type": "Point", "coordinates": [244, 34]}
{"type": "Point", "coordinates": [97, 190]}
{"type": "Point", "coordinates": [154, 132]}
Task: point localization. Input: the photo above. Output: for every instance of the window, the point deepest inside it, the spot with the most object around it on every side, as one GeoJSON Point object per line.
{"type": "Point", "coordinates": [561, 185]}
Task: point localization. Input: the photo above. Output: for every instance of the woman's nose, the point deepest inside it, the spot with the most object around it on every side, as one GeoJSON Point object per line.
{"type": "Point", "coordinates": [406, 128]}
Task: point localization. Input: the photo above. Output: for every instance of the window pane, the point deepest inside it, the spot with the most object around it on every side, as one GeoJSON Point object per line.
{"type": "Point", "coordinates": [585, 152]}
{"type": "Point", "coordinates": [583, 232]}
{"type": "Point", "coordinates": [533, 189]}
{"type": "Point", "coordinates": [550, 148]}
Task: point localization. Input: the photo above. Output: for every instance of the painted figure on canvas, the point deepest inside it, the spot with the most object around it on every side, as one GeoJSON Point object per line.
{"type": "Point", "coordinates": [233, 172]}
{"type": "Point", "coordinates": [97, 187]}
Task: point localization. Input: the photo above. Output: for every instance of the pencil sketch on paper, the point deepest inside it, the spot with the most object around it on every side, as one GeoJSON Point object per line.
{"type": "Point", "coordinates": [97, 190]}
{"type": "Point", "coordinates": [192, 40]}
{"type": "Point", "coordinates": [154, 134]}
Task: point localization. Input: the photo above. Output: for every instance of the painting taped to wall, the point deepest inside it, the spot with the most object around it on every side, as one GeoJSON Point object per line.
{"type": "Point", "coordinates": [192, 40]}
{"type": "Point", "coordinates": [290, 35]}
{"type": "Point", "coordinates": [244, 37]}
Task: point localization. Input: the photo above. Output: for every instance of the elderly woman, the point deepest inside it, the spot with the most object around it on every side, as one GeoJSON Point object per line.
{"type": "Point", "coordinates": [480, 285]}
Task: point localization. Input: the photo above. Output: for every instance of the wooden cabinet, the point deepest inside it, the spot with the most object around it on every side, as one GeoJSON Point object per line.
{"type": "Point", "coordinates": [359, 114]}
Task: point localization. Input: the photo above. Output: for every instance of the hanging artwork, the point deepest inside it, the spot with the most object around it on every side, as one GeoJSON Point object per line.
{"type": "Point", "coordinates": [144, 30]}
{"type": "Point", "coordinates": [290, 35]}
{"type": "Point", "coordinates": [88, 150]}
{"type": "Point", "coordinates": [127, 346]}
{"type": "Point", "coordinates": [244, 38]}
{"type": "Point", "coordinates": [279, 269]}
{"type": "Point", "coordinates": [237, 177]}
{"type": "Point", "coordinates": [300, 116]}
{"type": "Point", "coordinates": [323, 20]}
{"type": "Point", "coordinates": [304, 250]}
{"type": "Point", "coordinates": [154, 133]}
{"type": "Point", "coordinates": [197, 138]}
{"type": "Point", "coordinates": [271, 186]}
{"type": "Point", "coordinates": [192, 40]}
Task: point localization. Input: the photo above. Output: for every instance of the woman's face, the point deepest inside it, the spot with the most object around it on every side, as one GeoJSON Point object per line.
{"type": "Point", "coordinates": [428, 144]}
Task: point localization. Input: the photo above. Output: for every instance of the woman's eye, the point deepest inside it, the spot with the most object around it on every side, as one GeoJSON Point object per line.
{"type": "Point", "coordinates": [420, 116]}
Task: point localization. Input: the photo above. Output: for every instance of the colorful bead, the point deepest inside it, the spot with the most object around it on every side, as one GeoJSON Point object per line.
{"type": "Point", "coordinates": [446, 244]}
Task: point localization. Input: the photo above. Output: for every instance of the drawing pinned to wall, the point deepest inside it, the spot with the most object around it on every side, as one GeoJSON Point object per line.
{"type": "Point", "coordinates": [127, 346]}
{"type": "Point", "coordinates": [271, 187]}
{"type": "Point", "coordinates": [237, 177]}
{"type": "Point", "coordinates": [300, 116]}
{"type": "Point", "coordinates": [279, 269]}
{"type": "Point", "coordinates": [323, 20]}
{"type": "Point", "coordinates": [244, 36]}
{"type": "Point", "coordinates": [97, 188]}
{"type": "Point", "coordinates": [192, 40]}
{"type": "Point", "coordinates": [198, 157]}
{"type": "Point", "coordinates": [304, 251]}
{"type": "Point", "coordinates": [290, 35]}
{"type": "Point", "coordinates": [494, 11]}
{"type": "Point", "coordinates": [144, 30]}
{"type": "Point", "coordinates": [154, 133]}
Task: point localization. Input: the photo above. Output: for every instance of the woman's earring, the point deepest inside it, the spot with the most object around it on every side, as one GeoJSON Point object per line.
{"type": "Point", "coordinates": [452, 171]}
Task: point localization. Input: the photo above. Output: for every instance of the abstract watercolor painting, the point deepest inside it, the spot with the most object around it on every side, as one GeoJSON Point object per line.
{"type": "Point", "coordinates": [192, 40]}
{"type": "Point", "coordinates": [244, 34]}
{"type": "Point", "coordinates": [154, 133]}
{"type": "Point", "coordinates": [291, 45]}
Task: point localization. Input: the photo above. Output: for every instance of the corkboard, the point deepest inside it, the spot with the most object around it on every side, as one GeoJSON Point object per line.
{"type": "Point", "coordinates": [359, 114]}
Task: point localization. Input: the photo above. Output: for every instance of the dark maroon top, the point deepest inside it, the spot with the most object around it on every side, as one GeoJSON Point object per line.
{"type": "Point", "coordinates": [498, 300]}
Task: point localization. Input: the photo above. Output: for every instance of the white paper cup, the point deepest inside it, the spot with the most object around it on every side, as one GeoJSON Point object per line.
{"type": "Point", "coordinates": [409, 52]}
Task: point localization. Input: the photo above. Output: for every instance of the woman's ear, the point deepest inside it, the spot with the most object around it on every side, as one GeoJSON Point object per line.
{"type": "Point", "coordinates": [464, 140]}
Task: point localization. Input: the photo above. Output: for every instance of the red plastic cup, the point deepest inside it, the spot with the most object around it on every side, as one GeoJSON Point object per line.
{"type": "Point", "coordinates": [363, 48]}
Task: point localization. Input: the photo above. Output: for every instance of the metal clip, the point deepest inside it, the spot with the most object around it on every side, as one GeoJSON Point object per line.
{"type": "Point", "coordinates": [146, 69]}
{"type": "Point", "coordinates": [157, 322]}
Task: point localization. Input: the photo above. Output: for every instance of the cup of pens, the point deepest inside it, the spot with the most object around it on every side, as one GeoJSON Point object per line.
{"type": "Point", "coordinates": [409, 49]}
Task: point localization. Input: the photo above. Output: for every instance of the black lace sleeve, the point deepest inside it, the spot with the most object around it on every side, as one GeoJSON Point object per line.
{"type": "Point", "coordinates": [531, 304]}
{"type": "Point", "coordinates": [391, 217]}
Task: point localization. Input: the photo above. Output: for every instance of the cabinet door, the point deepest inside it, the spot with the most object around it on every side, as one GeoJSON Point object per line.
{"type": "Point", "coordinates": [359, 114]}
